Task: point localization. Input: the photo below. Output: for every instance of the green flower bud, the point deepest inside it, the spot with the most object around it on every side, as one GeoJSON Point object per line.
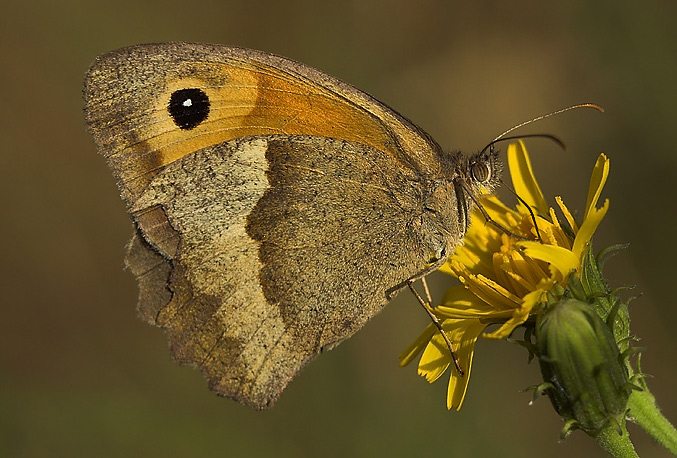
{"type": "Point", "coordinates": [585, 375]}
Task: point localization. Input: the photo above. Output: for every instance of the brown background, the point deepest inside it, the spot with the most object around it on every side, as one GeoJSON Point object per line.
{"type": "Point", "coordinates": [81, 376]}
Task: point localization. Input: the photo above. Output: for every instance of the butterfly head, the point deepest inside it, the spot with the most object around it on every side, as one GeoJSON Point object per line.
{"type": "Point", "coordinates": [479, 173]}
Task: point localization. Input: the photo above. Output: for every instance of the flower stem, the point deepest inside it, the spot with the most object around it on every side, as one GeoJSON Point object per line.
{"type": "Point", "coordinates": [617, 445]}
{"type": "Point", "coordinates": [645, 413]}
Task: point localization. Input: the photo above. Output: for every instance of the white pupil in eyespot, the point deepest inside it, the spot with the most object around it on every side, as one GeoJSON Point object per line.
{"type": "Point", "coordinates": [187, 103]}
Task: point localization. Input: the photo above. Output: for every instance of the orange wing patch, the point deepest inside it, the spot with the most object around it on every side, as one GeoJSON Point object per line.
{"type": "Point", "coordinates": [246, 99]}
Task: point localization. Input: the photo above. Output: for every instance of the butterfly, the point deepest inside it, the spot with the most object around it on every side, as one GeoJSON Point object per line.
{"type": "Point", "coordinates": [276, 209]}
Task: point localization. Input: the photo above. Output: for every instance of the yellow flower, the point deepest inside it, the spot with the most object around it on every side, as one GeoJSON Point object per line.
{"type": "Point", "coordinates": [504, 280]}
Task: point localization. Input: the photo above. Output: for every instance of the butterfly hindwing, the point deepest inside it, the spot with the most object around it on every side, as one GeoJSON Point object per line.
{"type": "Point", "coordinates": [277, 264]}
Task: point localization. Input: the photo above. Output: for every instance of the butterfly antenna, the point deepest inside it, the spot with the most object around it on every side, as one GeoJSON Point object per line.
{"type": "Point", "coordinates": [555, 139]}
{"type": "Point", "coordinates": [538, 118]}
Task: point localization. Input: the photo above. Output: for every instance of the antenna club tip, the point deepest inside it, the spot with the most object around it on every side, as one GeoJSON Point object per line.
{"type": "Point", "coordinates": [593, 105]}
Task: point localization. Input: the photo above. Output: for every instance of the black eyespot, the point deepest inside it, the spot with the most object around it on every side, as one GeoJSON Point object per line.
{"type": "Point", "coordinates": [481, 172]}
{"type": "Point", "coordinates": [188, 107]}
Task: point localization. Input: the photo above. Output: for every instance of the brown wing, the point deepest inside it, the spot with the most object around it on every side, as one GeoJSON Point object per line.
{"type": "Point", "coordinates": [263, 272]}
{"type": "Point", "coordinates": [275, 266]}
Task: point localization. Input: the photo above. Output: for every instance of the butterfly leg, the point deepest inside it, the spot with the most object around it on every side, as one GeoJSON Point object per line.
{"type": "Point", "coordinates": [496, 224]}
{"type": "Point", "coordinates": [426, 306]}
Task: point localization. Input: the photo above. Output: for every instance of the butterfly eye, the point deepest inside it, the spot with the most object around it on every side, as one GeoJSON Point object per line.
{"type": "Point", "coordinates": [481, 171]}
{"type": "Point", "coordinates": [188, 107]}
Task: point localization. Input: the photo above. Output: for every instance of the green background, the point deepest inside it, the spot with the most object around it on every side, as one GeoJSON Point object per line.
{"type": "Point", "coordinates": [81, 376]}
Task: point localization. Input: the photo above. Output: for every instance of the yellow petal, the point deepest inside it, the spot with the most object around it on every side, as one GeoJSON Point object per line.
{"type": "Point", "coordinates": [588, 228]}
{"type": "Point", "coordinates": [523, 179]}
{"type": "Point", "coordinates": [597, 181]}
{"type": "Point", "coordinates": [521, 314]}
{"type": "Point", "coordinates": [497, 210]}
{"type": "Point", "coordinates": [436, 357]}
{"type": "Point", "coordinates": [417, 346]}
{"type": "Point", "coordinates": [446, 268]}
{"type": "Point", "coordinates": [497, 296]}
{"type": "Point", "coordinates": [567, 214]}
{"type": "Point", "coordinates": [459, 297]}
{"type": "Point", "coordinates": [458, 386]}
{"type": "Point", "coordinates": [459, 302]}
{"type": "Point", "coordinates": [560, 259]}
{"type": "Point", "coordinates": [556, 233]}
{"type": "Point", "coordinates": [487, 314]}
{"type": "Point", "coordinates": [526, 269]}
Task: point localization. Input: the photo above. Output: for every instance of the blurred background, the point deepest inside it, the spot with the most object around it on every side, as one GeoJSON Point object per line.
{"type": "Point", "coordinates": [80, 375]}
